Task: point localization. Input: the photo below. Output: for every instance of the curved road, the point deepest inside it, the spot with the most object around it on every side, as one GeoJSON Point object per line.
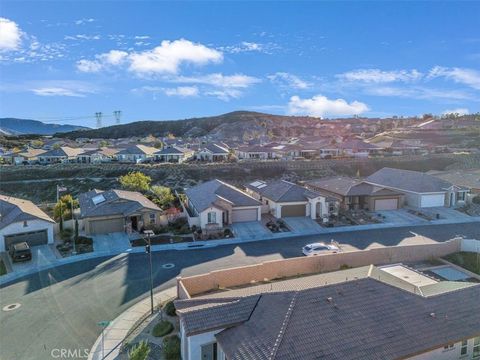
{"type": "Point", "coordinates": [60, 307]}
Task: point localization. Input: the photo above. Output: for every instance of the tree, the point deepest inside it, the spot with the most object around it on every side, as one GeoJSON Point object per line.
{"type": "Point", "coordinates": [163, 196]}
{"type": "Point", "coordinates": [135, 181]}
{"type": "Point", "coordinates": [63, 208]}
{"type": "Point", "coordinates": [139, 351]}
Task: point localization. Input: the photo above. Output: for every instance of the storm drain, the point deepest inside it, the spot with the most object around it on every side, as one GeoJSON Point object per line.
{"type": "Point", "coordinates": [11, 307]}
{"type": "Point", "coordinates": [168, 266]}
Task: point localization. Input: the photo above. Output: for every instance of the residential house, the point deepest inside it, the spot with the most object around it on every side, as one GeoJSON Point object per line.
{"type": "Point", "coordinates": [215, 204]}
{"type": "Point", "coordinates": [255, 152]}
{"type": "Point", "coordinates": [354, 194]}
{"type": "Point", "coordinates": [62, 154]}
{"type": "Point", "coordinates": [27, 156]}
{"type": "Point", "coordinates": [174, 154]}
{"type": "Point", "coordinates": [113, 211]}
{"type": "Point", "coordinates": [361, 313]}
{"type": "Point", "coordinates": [136, 153]}
{"type": "Point", "coordinates": [358, 148]}
{"type": "Point", "coordinates": [469, 179]}
{"type": "Point", "coordinates": [21, 220]}
{"type": "Point", "coordinates": [96, 156]}
{"type": "Point", "coordinates": [421, 190]}
{"type": "Point", "coordinates": [285, 199]}
{"type": "Point", "coordinates": [213, 153]}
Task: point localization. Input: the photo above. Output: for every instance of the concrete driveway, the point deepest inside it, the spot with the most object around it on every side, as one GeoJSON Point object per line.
{"type": "Point", "coordinates": [41, 255]}
{"type": "Point", "coordinates": [250, 230]}
{"type": "Point", "coordinates": [446, 213]}
{"type": "Point", "coordinates": [400, 217]}
{"type": "Point", "coordinates": [111, 243]}
{"type": "Point", "coordinates": [303, 225]}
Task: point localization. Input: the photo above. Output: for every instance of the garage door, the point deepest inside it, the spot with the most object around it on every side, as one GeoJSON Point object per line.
{"type": "Point", "coordinates": [293, 210]}
{"type": "Point", "coordinates": [432, 200]}
{"type": "Point", "coordinates": [107, 226]}
{"type": "Point", "coordinates": [243, 215]}
{"type": "Point", "coordinates": [386, 204]}
{"type": "Point", "coordinates": [32, 238]}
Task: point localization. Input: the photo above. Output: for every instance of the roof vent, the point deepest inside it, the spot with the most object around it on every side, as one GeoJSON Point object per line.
{"type": "Point", "coordinates": [329, 299]}
{"type": "Point", "coordinates": [433, 315]}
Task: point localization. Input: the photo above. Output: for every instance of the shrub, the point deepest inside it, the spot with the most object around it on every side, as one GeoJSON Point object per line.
{"type": "Point", "coordinates": [178, 223]}
{"type": "Point", "coordinates": [82, 240]}
{"type": "Point", "coordinates": [476, 200]}
{"type": "Point", "coordinates": [163, 328]}
{"type": "Point", "coordinates": [171, 347]}
{"type": "Point", "coordinates": [66, 234]}
{"type": "Point", "coordinates": [169, 309]}
{"type": "Point", "coordinates": [139, 351]}
{"type": "Point", "coordinates": [227, 233]}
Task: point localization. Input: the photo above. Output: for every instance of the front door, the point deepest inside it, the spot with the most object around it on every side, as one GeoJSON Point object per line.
{"type": "Point", "coordinates": [209, 351]}
{"type": "Point", "coordinates": [452, 199]}
{"type": "Point", "coordinates": [134, 223]}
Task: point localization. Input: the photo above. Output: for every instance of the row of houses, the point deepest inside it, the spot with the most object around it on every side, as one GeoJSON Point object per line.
{"type": "Point", "coordinates": [216, 204]}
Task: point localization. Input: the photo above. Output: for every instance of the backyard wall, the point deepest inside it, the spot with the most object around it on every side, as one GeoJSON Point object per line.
{"type": "Point", "coordinates": [276, 269]}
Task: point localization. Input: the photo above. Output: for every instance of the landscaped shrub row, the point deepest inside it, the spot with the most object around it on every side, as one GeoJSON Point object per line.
{"type": "Point", "coordinates": [163, 328]}
{"type": "Point", "coordinates": [171, 347]}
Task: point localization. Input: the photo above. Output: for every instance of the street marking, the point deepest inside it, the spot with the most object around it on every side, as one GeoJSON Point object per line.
{"type": "Point", "coordinates": [11, 307]}
{"type": "Point", "coordinates": [168, 266]}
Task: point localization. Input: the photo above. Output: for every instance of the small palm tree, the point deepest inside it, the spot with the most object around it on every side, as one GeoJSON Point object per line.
{"type": "Point", "coordinates": [139, 351]}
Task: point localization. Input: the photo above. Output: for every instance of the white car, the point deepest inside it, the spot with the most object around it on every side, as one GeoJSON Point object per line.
{"type": "Point", "coordinates": [320, 248]}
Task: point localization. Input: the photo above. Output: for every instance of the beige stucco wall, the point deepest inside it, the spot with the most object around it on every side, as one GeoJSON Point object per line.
{"type": "Point", "coordinates": [276, 269]}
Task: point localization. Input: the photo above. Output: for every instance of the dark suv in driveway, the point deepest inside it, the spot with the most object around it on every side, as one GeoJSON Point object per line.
{"type": "Point", "coordinates": [20, 252]}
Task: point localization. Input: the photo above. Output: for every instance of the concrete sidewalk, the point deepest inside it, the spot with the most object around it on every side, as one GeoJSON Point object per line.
{"type": "Point", "coordinates": [109, 345]}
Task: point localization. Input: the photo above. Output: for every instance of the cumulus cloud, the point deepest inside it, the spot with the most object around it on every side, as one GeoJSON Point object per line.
{"type": "Point", "coordinates": [380, 76]}
{"type": "Point", "coordinates": [464, 76]}
{"type": "Point", "coordinates": [459, 111]}
{"type": "Point", "coordinates": [288, 81]}
{"type": "Point", "coordinates": [321, 106]}
{"type": "Point", "coordinates": [10, 35]}
{"type": "Point", "coordinates": [170, 55]}
{"type": "Point", "coordinates": [102, 61]}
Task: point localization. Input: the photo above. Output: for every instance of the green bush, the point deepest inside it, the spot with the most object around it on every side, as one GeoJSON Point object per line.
{"type": "Point", "coordinates": [139, 351]}
{"type": "Point", "coordinates": [163, 328]}
{"type": "Point", "coordinates": [185, 229]}
{"type": "Point", "coordinates": [171, 347]}
{"type": "Point", "coordinates": [476, 199]}
{"type": "Point", "coordinates": [82, 240]}
{"type": "Point", "coordinates": [169, 309]}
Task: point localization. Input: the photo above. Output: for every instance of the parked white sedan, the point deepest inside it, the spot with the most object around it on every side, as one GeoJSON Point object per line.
{"type": "Point", "coordinates": [320, 248]}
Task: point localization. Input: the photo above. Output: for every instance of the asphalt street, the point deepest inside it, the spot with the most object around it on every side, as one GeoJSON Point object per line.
{"type": "Point", "coordinates": [60, 307]}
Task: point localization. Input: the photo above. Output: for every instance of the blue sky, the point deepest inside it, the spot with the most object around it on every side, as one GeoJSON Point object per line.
{"type": "Point", "coordinates": [64, 61]}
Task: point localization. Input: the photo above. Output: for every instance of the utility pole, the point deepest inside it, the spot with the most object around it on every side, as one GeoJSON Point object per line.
{"type": "Point", "coordinates": [117, 114]}
{"type": "Point", "coordinates": [98, 116]}
{"type": "Point", "coordinates": [148, 250]}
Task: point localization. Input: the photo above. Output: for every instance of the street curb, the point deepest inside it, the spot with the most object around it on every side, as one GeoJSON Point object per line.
{"type": "Point", "coordinates": [116, 332]}
{"type": "Point", "coordinates": [213, 243]}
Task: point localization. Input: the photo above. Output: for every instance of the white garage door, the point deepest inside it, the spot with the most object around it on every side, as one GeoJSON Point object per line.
{"type": "Point", "coordinates": [432, 200]}
{"type": "Point", "coordinates": [386, 204]}
{"type": "Point", "coordinates": [32, 238]}
{"type": "Point", "coordinates": [107, 226]}
{"type": "Point", "coordinates": [243, 215]}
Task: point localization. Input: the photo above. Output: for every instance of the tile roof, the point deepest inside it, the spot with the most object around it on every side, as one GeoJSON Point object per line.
{"type": "Point", "coordinates": [14, 210]}
{"type": "Point", "coordinates": [216, 149]}
{"type": "Point", "coordinates": [465, 178]}
{"type": "Point", "coordinates": [114, 202]}
{"type": "Point", "coordinates": [205, 195]}
{"type": "Point", "coordinates": [346, 186]}
{"type": "Point", "coordinates": [358, 319]}
{"type": "Point", "coordinates": [62, 152]}
{"type": "Point", "coordinates": [173, 150]}
{"type": "Point", "coordinates": [138, 149]}
{"type": "Point", "coordinates": [408, 180]}
{"type": "Point", "coordinates": [282, 191]}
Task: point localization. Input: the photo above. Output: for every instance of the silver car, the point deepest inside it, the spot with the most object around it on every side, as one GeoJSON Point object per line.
{"type": "Point", "coordinates": [320, 248]}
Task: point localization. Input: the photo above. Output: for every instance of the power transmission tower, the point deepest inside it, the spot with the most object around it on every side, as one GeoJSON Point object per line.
{"type": "Point", "coordinates": [117, 114]}
{"type": "Point", "coordinates": [98, 116]}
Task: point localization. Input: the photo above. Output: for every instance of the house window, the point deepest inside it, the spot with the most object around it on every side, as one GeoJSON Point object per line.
{"type": "Point", "coordinates": [266, 202]}
{"type": "Point", "coordinates": [476, 348]}
{"type": "Point", "coordinates": [464, 348]}
{"type": "Point", "coordinates": [25, 224]}
{"type": "Point", "coordinates": [461, 196]}
{"type": "Point", "coordinates": [448, 347]}
{"type": "Point", "coordinates": [212, 217]}
{"type": "Point", "coordinates": [152, 218]}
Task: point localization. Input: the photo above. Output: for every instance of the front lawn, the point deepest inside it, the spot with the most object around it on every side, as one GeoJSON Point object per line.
{"type": "Point", "coordinates": [467, 260]}
{"type": "Point", "coordinates": [3, 269]}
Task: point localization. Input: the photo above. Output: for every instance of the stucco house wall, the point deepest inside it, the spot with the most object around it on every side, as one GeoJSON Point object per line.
{"type": "Point", "coordinates": [32, 225]}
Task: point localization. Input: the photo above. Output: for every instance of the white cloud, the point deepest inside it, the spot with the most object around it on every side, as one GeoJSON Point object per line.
{"type": "Point", "coordinates": [459, 111]}
{"type": "Point", "coordinates": [288, 81]}
{"type": "Point", "coordinates": [141, 37]}
{"type": "Point", "coordinates": [380, 76]}
{"type": "Point", "coordinates": [103, 61]}
{"type": "Point", "coordinates": [322, 106]}
{"type": "Point", "coordinates": [464, 76]}
{"type": "Point", "coordinates": [182, 91]}
{"type": "Point", "coordinates": [219, 80]}
{"type": "Point", "coordinates": [82, 37]}
{"type": "Point", "coordinates": [419, 92]}
{"type": "Point", "coordinates": [170, 55]}
{"type": "Point", "coordinates": [225, 94]}
{"type": "Point", "coordinates": [84, 21]}
{"type": "Point", "coordinates": [10, 35]}
{"type": "Point", "coordinates": [61, 88]}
